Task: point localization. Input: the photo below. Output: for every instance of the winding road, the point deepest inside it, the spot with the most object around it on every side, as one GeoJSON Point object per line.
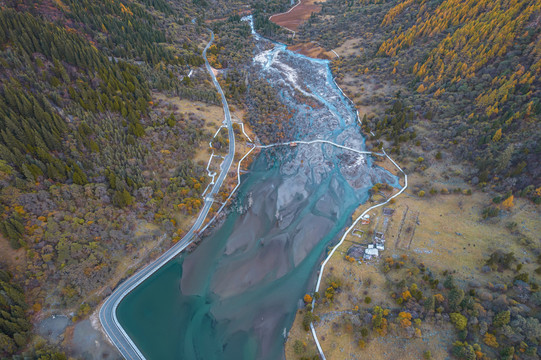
{"type": "Point", "coordinates": [107, 313]}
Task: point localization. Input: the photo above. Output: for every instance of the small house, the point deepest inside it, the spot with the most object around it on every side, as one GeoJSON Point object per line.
{"type": "Point", "coordinates": [371, 252]}
{"type": "Point", "coordinates": [365, 220]}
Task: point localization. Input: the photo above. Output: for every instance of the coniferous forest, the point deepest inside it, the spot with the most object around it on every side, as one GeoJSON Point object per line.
{"type": "Point", "coordinates": [82, 159]}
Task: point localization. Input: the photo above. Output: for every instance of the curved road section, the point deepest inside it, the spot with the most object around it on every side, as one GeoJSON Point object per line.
{"type": "Point", "coordinates": [107, 314]}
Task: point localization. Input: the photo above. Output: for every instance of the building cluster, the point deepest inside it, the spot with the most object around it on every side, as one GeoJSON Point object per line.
{"type": "Point", "coordinates": [378, 242]}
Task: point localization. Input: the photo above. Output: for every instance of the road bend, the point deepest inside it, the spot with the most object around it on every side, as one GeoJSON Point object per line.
{"type": "Point", "coordinates": [107, 313]}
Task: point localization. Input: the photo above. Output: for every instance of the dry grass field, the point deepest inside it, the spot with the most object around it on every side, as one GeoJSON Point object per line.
{"type": "Point", "coordinates": [443, 231]}
{"type": "Point", "coordinates": [298, 15]}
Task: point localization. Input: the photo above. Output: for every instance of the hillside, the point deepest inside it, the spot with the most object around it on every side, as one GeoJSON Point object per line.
{"type": "Point", "coordinates": [95, 162]}
{"type": "Point", "coordinates": [469, 70]}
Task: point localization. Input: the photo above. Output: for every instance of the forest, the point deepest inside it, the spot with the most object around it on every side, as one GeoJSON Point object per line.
{"type": "Point", "coordinates": [470, 72]}
{"type": "Point", "coordinates": [87, 152]}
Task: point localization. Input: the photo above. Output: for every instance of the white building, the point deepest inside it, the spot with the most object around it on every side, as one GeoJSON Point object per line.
{"type": "Point", "coordinates": [370, 252]}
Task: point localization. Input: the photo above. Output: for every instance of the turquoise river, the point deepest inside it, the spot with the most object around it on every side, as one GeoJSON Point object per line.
{"type": "Point", "coordinates": [236, 295]}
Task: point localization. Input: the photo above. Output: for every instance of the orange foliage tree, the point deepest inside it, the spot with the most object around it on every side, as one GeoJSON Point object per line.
{"type": "Point", "coordinates": [508, 203]}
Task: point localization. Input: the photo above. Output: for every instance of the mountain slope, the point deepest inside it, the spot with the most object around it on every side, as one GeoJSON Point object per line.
{"type": "Point", "coordinates": [471, 69]}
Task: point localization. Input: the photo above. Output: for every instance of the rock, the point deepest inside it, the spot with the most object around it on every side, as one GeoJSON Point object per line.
{"type": "Point", "coordinates": [475, 180]}
{"type": "Point", "coordinates": [486, 269]}
{"type": "Point", "coordinates": [475, 284]}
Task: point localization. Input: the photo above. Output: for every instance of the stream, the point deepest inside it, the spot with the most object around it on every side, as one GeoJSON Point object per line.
{"type": "Point", "coordinates": [235, 296]}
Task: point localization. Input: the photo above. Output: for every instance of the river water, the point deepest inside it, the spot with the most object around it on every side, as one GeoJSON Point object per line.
{"type": "Point", "coordinates": [236, 295]}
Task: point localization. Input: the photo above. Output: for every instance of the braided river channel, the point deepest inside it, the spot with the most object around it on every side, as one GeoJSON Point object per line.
{"type": "Point", "coordinates": [235, 296]}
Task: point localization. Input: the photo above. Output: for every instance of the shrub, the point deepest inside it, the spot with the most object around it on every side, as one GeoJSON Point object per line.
{"type": "Point", "coordinates": [490, 212]}
{"type": "Point", "coordinates": [307, 320]}
{"type": "Point", "coordinates": [463, 350]}
{"type": "Point", "coordinates": [522, 277]}
{"type": "Point", "coordinates": [298, 347]}
{"type": "Point", "coordinates": [459, 320]}
{"type": "Point", "coordinates": [502, 318]}
{"type": "Point", "coordinates": [501, 259]}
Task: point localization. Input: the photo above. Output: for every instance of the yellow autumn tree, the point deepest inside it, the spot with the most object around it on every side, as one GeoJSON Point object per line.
{"type": "Point", "coordinates": [406, 295]}
{"type": "Point", "coordinates": [307, 298]}
{"type": "Point", "coordinates": [497, 136]}
{"type": "Point", "coordinates": [421, 88]}
{"type": "Point", "coordinates": [490, 340]}
{"type": "Point", "coordinates": [508, 203]}
{"type": "Point", "coordinates": [404, 319]}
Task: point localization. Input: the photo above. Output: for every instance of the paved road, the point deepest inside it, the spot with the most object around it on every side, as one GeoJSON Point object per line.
{"type": "Point", "coordinates": [107, 313]}
{"type": "Point", "coordinates": [312, 328]}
